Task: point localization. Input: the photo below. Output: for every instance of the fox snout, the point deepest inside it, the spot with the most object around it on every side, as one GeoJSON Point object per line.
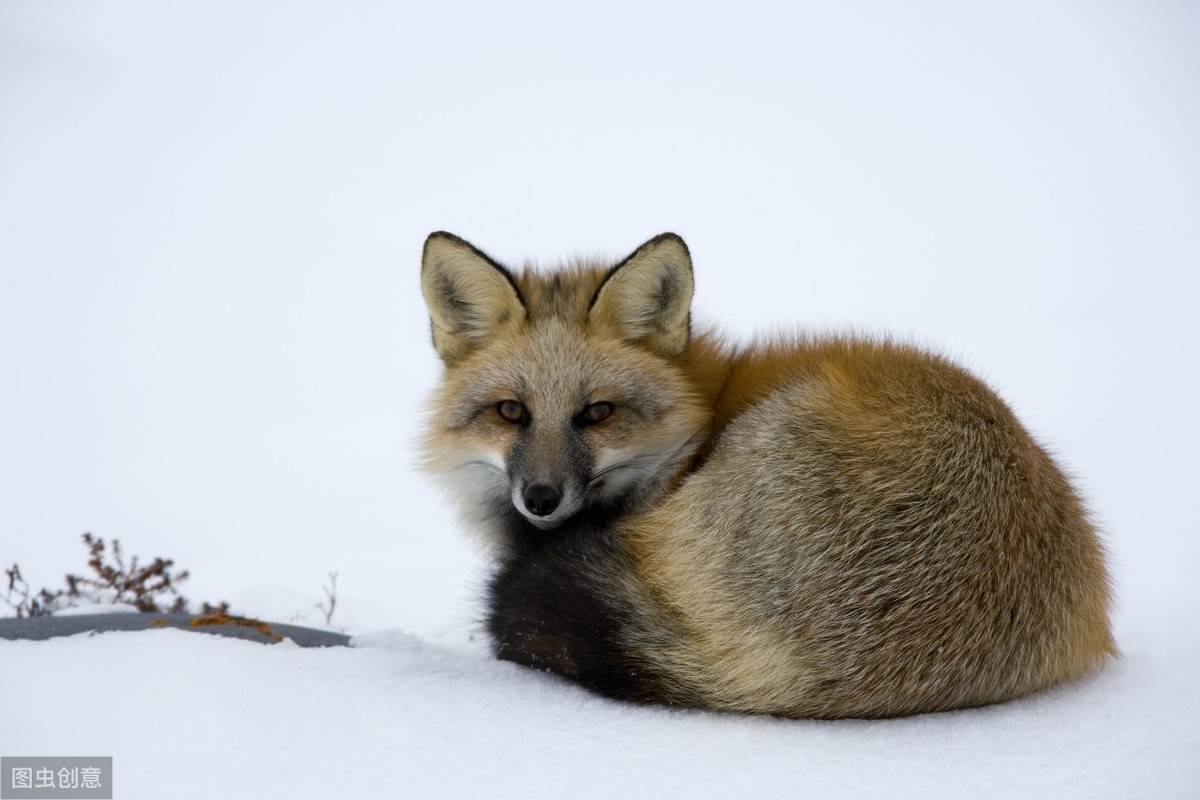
{"type": "Point", "coordinates": [541, 500]}
{"type": "Point", "coordinates": [548, 466]}
{"type": "Point", "coordinates": [545, 501]}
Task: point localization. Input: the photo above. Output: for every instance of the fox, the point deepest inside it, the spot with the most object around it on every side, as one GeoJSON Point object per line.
{"type": "Point", "coordinates": [821, 526]}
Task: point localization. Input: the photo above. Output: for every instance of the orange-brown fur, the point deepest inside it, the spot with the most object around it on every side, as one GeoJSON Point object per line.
{"type": "Point", "coordinates": [1021, 610]}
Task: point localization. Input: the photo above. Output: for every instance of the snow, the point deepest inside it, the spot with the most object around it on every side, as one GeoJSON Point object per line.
{"type": "Point", "coordinates": [192, 715]}
{"type": "Point", "coordinates": [213, 347]}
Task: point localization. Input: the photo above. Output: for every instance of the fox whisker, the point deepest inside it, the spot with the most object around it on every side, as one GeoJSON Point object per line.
{"type": "Point", "coordinates": [612, 468]}
{"type": "Point", "coordinates": [647, 463]}
{"type": "Point", "coordinates": [478, 463]}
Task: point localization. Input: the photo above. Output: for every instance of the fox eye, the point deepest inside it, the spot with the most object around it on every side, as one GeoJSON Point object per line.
{"type": "Point", "coordinates": [511, 411]}
{"type": "Point", "coordinates": [597, 412]}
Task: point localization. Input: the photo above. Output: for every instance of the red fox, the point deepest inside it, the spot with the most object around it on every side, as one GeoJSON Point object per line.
{"type": "Point", "coordinates": [824, 527]}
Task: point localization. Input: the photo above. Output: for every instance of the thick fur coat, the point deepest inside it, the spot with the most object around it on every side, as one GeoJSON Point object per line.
{"type": "Point", "coordinates": [821, 527]}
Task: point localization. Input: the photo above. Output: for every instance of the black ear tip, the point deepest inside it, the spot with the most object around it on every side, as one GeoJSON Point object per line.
{"type": "Point", "coordinates": [442, 237]}
{"type": "Point", "coordinates": [445, 236]}
{"type": "Point", "coordinates": [670, 236]}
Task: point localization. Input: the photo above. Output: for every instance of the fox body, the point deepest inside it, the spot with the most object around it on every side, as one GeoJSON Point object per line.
{"type": "Point", "coordinates": [823, 527]}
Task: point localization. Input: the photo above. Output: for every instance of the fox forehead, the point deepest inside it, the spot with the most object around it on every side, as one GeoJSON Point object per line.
{"type": "Point", "coordinates": [564, 294]}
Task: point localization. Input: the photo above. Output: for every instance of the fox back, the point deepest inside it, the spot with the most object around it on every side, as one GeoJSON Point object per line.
{"type": "Point", "coordinates": [819, 527]}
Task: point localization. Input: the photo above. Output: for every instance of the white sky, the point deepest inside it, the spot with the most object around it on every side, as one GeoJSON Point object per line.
{"type": "Point", "coordinates": [212, 343]}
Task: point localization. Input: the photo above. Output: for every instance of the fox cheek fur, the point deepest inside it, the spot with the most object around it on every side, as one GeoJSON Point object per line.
{"type": "Point", "coordinates": [820, 527]}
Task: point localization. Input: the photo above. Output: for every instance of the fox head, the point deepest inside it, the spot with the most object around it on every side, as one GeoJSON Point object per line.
{"type": "Point", "coordinates": [563, 392]}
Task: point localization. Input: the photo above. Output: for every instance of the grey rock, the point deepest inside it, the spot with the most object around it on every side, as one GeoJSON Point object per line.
{"type": "Point", "coordinates": [39, 628]}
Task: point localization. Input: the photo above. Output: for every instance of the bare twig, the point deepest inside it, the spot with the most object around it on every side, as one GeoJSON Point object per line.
{"type": "Point", "coordinates": [330, 605]}
{"type": "Point", "coordinates": [18, 598]}
{"type": "Point", "coordinates": [114, 580]}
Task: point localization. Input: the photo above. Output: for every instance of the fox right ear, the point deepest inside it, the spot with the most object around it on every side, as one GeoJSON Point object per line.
{"type": "Point", "coordinates": [647, 297]}
{"type": "Point", "coordinates": [470, 297]}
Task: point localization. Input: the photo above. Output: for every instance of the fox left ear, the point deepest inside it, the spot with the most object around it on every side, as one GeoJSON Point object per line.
{"type": "Point", "coordinates": [647, 298]}
{"type": "Point", "coordinates": [470, 297]}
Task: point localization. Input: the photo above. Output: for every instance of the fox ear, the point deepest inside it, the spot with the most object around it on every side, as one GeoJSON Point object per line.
{"type": "Point", "coordinates": [470, 297]}
{"type": "Point", "coordinates": [647, 298]}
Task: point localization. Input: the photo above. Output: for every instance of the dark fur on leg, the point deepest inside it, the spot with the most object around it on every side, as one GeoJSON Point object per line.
{"type": "Point", "coordinates": [554, 605]}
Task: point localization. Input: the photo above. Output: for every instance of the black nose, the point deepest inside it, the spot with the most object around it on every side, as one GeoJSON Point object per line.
{"type": "Point", "coordinates": [541, 500]}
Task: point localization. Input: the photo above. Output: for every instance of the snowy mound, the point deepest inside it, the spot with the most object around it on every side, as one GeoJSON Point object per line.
{"type": "Point", "coordinates": [186, 715]}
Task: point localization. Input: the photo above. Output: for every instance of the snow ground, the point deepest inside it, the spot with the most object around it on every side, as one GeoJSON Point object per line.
{"type": "Point", "coordinates": [212, 346]}
{"type": "Point", "coordinates": [197, 716]}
